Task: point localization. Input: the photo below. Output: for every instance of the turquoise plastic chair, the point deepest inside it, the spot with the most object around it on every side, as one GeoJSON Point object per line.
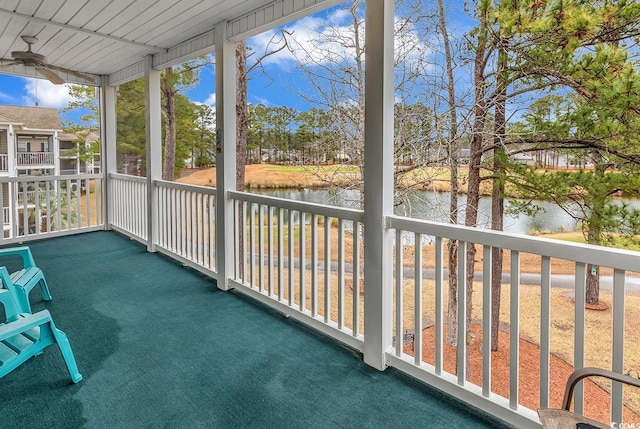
{"type": "Point", "coordinates": [23, 336]}
{"type": "Point", "coordinates": [26, 278]}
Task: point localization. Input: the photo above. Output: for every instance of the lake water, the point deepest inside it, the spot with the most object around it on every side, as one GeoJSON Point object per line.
{"type": "Point", "coordinates": [434, 206]}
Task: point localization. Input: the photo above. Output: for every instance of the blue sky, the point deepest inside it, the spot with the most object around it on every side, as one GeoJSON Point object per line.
{"type": "Point", "coordinates": [21, 91]}
{"type": "Point", "coordinates": [273, 90]}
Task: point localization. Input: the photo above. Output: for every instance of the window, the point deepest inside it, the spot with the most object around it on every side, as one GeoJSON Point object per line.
{"type": "Point", "coordinates": [24, 146]}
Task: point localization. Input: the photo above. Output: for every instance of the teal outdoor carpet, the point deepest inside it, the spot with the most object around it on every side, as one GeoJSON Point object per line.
{"type": "Point", "coordinates": [160, 346]}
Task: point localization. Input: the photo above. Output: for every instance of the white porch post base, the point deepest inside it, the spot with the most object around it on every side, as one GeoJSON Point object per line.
{"type": "Point", "coordinates": [153, 122]}
{"type": "Point", "coordinates": [225, 154]}
{"type": "Point", "coordinates": [378, 182]}
{"type": "Point", "coordinates": [108, 148]}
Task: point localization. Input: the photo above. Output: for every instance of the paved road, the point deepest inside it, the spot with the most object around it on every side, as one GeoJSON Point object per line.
{"type": "Point", "coordinates": [632, 284]}
{"type": "Point", "coordinates": [566, 281]}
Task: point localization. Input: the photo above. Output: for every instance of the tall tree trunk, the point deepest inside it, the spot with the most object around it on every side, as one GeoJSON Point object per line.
{"type": "Point", "coordinates": [593, 271]}
{"type": "Point", "coordinates": [242, 121]}
{"type": "Point", "coordinates": [594, 235]}
{"type": "Point", "coordinates": [497, 216]}
{"type": "Point", "coordinates": [357, 153]}
{"type": "Point", "coordinates": [242, 129]}
{"type": "Point", "coordinates": [593, 285]}
{"type": "Point", "coordinates": [471, 214]}
{"type": "Point", "coordinates": [497, 199]}
{"type": "Point", "coordinates": [242, 124]}
{"type": "Point", "coordinates": [169, 92]}
{"type": "Point", "coordinates": [475, 161]}
{"type": "Point", "coordinates": [452, 245]}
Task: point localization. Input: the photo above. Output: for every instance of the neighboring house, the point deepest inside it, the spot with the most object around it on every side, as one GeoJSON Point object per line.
{"type": "Point", "coordinates": [29, 140]}
{"type": "Point", "coordinates": [524, 158]}
{"type": "Point", "coordinates": [75, 161]}
{"type": "Point", "coordinates": [32, 144]}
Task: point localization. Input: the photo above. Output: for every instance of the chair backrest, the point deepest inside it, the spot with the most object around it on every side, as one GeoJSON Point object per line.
{"type": "Point", "coordinates": [23, 251]}
{"type": "Point", "coordinates": [26, 335]}
{"type": "Point", "coordinates": [7, 300]}
{"type": "Point", "coordinates": [10, 303]}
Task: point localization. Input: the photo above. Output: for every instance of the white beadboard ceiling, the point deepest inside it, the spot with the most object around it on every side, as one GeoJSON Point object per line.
{"type": "Point", "coordinates": [109, 39]}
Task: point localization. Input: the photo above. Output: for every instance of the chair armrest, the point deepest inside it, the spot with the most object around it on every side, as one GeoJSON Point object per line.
{"type": "Point", "coordinates": [24, 323]}
{"type": "Point", "coordinates": [24, 252]}
{"type": "Point", "coordinates": [579, 374]}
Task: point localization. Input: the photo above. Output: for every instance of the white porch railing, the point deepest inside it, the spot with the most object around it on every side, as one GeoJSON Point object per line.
{"type": "Point", "coordinates": [186, 223]}
{"type": "Point", "coordinates": [4, 162]}
{"type": "Point", "coordinates": [50, 205]}
{"type": "Point", "coordinates": [128, 199]}
{"type": "Point", "coordinates": [34, 158]}
{"type": "Point", "coordinates": [297, 257]}
{"type": "Point", "coordinates": [429, 303]}
{"type": "Point", "coordinates": [306, 260]}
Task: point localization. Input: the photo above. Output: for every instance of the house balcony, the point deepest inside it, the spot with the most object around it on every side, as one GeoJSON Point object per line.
{"type": "Point", "coordinates": [160, 343]}
{"type": "Point", "coordinates": [34, 159]}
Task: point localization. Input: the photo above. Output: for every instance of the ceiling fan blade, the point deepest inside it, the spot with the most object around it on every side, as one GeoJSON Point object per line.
{"type": "Point", "coordinates": [72, 72]}
{"type": "Point", "coordinates": [50, 75]}
{"type": "Point", "coordinates": [9, 64]}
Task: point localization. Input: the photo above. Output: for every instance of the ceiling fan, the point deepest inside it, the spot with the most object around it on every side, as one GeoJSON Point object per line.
{"type": "Point", "coordinates": [39, 62]}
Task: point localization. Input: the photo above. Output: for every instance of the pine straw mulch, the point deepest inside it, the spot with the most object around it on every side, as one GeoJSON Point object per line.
{"type": "Point", "coordinates": [596, 398]}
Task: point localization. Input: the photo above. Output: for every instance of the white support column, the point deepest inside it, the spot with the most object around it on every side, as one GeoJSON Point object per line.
{"type": "Point", "coordinates": [12, 151]}
{"type": "Point", "coordinates": [12, 158]}
{"type": "Point", "coordinates": [108, 130]}
{"type": "Point", "coordinates": [153, 128]}
{"type": "Point", "coordinates": [225, 154]}
{"type": "Point", "coordinates": [56, 153]}
{"type": "Point", "coordinates": [378, 182]}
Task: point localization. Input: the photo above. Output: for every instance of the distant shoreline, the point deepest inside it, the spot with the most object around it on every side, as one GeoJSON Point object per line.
{"type": "Point", "coordinates": [274, 176]}
{"type": "Point", "coordinates": [277, 176]}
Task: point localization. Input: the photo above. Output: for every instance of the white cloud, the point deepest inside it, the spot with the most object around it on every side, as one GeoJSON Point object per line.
{"type": "Point", "coordinates": [46, 94]}
{"type": "Point", "coordinates": [211, 100]}
{"type": "Point", "coordinates": [340, 15]}
{"type": "Point", "coordinates": [263, 101]}
{"type": "Point", "coordinates": [306, 35]}
{"type": "Point", "coordinates": [318, 40]}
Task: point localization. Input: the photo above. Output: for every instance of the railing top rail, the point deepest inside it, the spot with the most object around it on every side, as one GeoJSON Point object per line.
{"type": "Point", "coordinates": [185, 187]}
{"type": "Point", "coordinates": [48, 178]}
{"type": "Point", "coordinates": [128, 177]}
{"type": "Point", "coordinates": [597, 255]}
{"type": "Point", "coordinates": [303, 206]}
